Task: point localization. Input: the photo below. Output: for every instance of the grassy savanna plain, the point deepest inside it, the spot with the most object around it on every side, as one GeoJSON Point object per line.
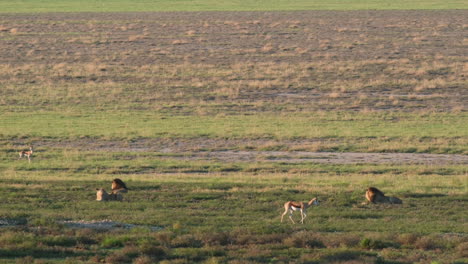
{"type": "Point", "coordinates": [215, 119]}
{"type": "Point", "coordinates": [45, 6]}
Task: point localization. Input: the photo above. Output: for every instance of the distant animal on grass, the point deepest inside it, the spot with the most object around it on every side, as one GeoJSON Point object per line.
{"type": "Point", "coordinates": [298, 206]}
{"type": "Point", "coordinates": [102, 195]}
{"type": "Point", "coordinates": [118, 186]}
{"type": "Point", "coordinates": [26, 153]}
{"type": "Point", "coordinates": [374, 195]}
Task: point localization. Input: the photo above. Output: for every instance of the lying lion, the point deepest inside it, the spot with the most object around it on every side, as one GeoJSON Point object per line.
{"type": "Point", "coordinates": [102, 195]}
{"type": "Point", "coordinates": [374, 195]}
{"type": "Point", "coordinates": [118, 187]}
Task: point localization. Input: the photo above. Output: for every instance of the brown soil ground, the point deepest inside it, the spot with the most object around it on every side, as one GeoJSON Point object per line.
{"type": "Point", "coordinates": [93, 224]}
{"type": "Point", "coordinates": [228, 151]}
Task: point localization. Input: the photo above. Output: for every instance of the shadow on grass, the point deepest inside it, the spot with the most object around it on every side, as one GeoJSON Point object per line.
{"type": "Point", "coordinates": [424, 195]}
{"type": "Point", "coordinates": [355, 257]}
{"type": "Point", "coordinates": [362, 216]}
{"type": "Point", "coordinates": [40, 253]}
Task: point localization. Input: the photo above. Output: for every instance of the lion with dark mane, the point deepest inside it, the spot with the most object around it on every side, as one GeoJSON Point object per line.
{"type": "Point", "coordinates": [374, 195]}
{"type": "Point", "coordinates": [118, 186]}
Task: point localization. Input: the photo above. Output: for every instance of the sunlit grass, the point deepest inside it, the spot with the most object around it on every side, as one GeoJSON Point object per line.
{"type": "Point", "coordinates": [394, 132]}
{"type": "Point", "coordinates": [154, 101]}
{"type": "Point", "coordinates": [301, 125]}
{"type": "Point", "coordinates": [188, 207]}
{"type": "Point", "coordinates": [211, 5]}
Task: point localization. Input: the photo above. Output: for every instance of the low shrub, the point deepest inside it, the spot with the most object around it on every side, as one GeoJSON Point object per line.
{"type": "Point", "coordinates": [186, 241]}
{"type": "Point", "coordinates": [25, 260]}
{"type": "Point", "coordinates": [258, 254]}
{"type": "Point", "coordinates": [407, 239]}
{"type": "Point", "coordinates": [112, 242]}
{"type": "Point", "coordinates": [193, 254]}
{"type": "Point", "coordinates": [64, 241]}
{"type": "Point", "coordinates": [117, 258]}
{"type": "Point", "coordinates": [143, 260]}
{"type": "Point", "coordinates": [143, 241]}
{"type": "Point", "coordinates": [427, 243]}
{"type": "Point", "coordinates": [213, 260]}
{"type": "Point", "coordinates": [14, 238]}
{"type": "Point", "coordinates": [304, 239]}
{"type": "Point", "coordinates": [242, 240]}
{"type": "Point", "coordinates": [462, 250]}
{"type": "Point", "coordinates": [130, 251]}
{"type": "Point", "coordinates": [341, 240]}
{"type": "Point", "coordinates": [270, 238]}
{"type": "Point", "coordinates": [216, 239]}
{"type": "Point", "coordinates": [369, 243]}
{"type": "Point", "coordinates": [392, 254]}
{"type": "Point", "coordinates": [155, 252]}
{"type": "Point", "coordinates": [85, 236]}
{"type": "Point", "coordinates": [346, 255]}
{"type": "Point", "coordinates": [164, 238]}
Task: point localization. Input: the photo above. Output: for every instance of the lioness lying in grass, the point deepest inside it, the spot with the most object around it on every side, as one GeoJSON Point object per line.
{"type": "Point", "coordinates": [102, 195]}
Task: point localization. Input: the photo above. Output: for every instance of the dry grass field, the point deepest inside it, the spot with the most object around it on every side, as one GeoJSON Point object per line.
{"type": "Point", "coordinates": [209, 63]}
{"type": "Point", "coordinates": [215, 119]}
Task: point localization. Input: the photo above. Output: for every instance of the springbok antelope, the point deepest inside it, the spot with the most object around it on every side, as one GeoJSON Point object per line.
{"type": "Point", "coordinates": [298, 206]}
{"type": "Point", "coordinates": [26, 153]}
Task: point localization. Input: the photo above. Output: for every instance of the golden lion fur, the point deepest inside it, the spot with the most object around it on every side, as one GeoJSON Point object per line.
{"type": "Point", "coordinates": [374, 195]}
{"type": "Point", "coordinates": [102, 195]}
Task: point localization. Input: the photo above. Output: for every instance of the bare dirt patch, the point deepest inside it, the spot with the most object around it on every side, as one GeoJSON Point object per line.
{"type": "Point", "coordinates": [231, 150]}
{"type": "Point", "coordinates": [5, 222]}
{"type": "Point", "coordinates": [92, 224]}
{"type": "Point", "coordinates": [330, 157]}
{"type": "Point", "coordinates": [104, 225]}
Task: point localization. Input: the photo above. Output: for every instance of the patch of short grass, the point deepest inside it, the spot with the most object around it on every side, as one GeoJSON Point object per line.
{"type": "Point", "coordinates": [210, 5]}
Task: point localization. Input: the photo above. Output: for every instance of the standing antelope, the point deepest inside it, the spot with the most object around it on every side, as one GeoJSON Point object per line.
{"type": "Point", "coordinates": [26, 153]}
{"type": "Point", "coordinates": [298, 206]}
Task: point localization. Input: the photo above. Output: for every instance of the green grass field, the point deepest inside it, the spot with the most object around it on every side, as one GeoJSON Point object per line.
{"type": "Point", "coordinates": [215, 119]}
{"type": "Point", "coordinates": [33, 6]}
{"type": "Point", "coordinates": [392, 132]}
